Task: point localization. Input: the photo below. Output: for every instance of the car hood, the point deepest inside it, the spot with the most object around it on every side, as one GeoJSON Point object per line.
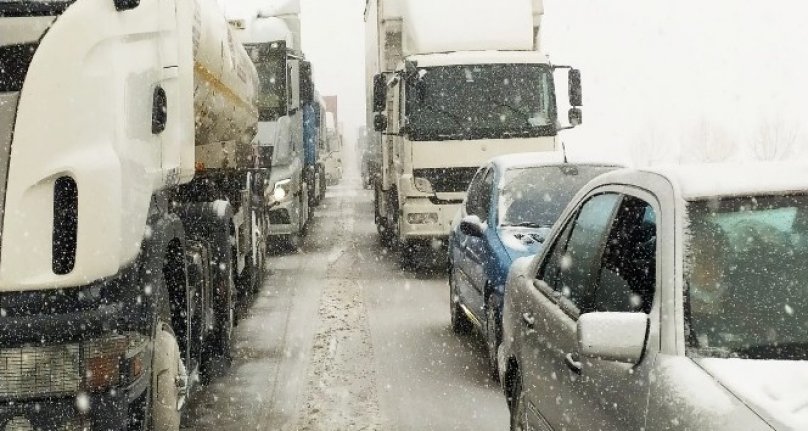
{"type": "Point", "coordinates": [775, 390]}
{"type": "Point", "coordinates": [521, 241]}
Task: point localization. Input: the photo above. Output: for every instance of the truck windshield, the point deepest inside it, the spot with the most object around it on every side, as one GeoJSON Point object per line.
{"type": "Point", "coordinates": [271, 66]}
{"type": "Point", "coordinates": [20, 8]}
{"type": "Point", "coordinates": [481, 102]}
{"type": "Point", "coordinates": [745, 277]}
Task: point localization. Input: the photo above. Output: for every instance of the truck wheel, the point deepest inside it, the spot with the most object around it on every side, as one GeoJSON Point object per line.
{"type": "Point", "coordinates": [225, 302]}
{"type": "Point", "coordinates": [167, 375]}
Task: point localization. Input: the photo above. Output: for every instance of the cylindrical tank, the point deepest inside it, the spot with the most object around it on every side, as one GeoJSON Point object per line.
{"type": "Point", "coordinates": [225, 84]}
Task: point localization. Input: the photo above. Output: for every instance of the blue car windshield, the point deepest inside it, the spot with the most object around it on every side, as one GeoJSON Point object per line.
{"type": "Point", "coordinates": [536, 196]}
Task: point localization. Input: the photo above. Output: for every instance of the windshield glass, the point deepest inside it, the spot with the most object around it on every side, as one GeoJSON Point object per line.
{"type": "Point", "coordinates": [746, 275]}
{"type": "Point", "coordinates": [481, 101]}
{"type": "Point", "coordinates": [536, 196]}
{"type": "Point", "coordinates": [270, 63]}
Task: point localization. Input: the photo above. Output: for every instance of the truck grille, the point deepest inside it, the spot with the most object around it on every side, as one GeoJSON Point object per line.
{"type": "Point", "coordinates": [27, 372]}
{"type": "Point", "coordinates": [447, 180]}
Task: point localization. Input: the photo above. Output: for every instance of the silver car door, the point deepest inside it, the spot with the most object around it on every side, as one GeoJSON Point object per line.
{"type": "Point", "coordinates": [614, 395]}
{"type": "Point", "coordinates": [552, 368]}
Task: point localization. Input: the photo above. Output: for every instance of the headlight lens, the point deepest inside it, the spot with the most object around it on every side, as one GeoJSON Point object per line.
{"type": "Point", "coordinates": [422, 218]}
{"type": "Point", "coordinates": [282, 190]}
{"type": "Point", "coordinates": [423, 185]}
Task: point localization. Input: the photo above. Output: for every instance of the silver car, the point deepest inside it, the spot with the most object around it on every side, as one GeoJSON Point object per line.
{"type": "Point", "coordinates": [674, 298]}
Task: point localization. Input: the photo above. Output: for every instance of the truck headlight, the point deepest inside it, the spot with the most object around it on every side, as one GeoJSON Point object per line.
{"type": "Point", "coordinates": [422, 218]}
{"type": "Point", "coordinates": [283, 189]}
{"type": "Point", "coordinates": [423, 185]}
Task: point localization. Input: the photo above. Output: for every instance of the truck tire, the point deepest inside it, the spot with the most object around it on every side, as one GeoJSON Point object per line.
{"type": "Point", "coordinates": [224, 284]}
{"type": "Point", "coordinates": [167, 371]}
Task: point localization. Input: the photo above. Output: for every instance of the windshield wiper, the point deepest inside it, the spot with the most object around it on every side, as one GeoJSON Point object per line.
{"type": "Point", "coordinates": [456, 118]}
{"type": "Point", "coordinates": [528, 224]}
{"type": "Point", "coordinates": [518, 112]}
{"type": "Point", "coordinates": [787, 351]}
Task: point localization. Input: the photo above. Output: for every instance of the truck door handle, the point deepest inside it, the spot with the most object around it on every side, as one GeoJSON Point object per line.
{"type": "Point", "coordinates": [573, 363]}
{"type": "Point", "coordinates": [529, 320]}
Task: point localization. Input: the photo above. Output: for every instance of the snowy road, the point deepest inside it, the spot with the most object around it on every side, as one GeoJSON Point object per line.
{"type": "Point", "coordinates": [341, 338]}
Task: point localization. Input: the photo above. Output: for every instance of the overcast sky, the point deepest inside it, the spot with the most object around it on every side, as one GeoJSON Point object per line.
{"type": "Point", "coordinates": [667, 73]}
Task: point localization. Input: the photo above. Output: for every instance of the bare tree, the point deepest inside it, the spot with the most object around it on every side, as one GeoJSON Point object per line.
{"type": "Point", "coordinates": [652, 147]}
{"type": "Point", "coordinates": [709, 143]}
{"type": "Point", "coordinates": [775, 140]}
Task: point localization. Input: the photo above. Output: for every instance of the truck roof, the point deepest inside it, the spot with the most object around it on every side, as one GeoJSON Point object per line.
{"type": "Point", "coordinates": [480, 57]}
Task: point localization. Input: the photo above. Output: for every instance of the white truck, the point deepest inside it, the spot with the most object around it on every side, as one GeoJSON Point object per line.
{"type": "Point", "coordinates": [271, 35]}
{"type": "Point", "coordinates": [451, 84]}
{"type": "Point", "coordinates": [131, 208]}
{"type": "Point", "coordinates": [333, 159]}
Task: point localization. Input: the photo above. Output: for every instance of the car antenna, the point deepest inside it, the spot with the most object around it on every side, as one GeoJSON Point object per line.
{"type": "Point", "coordinates": [564, 151]}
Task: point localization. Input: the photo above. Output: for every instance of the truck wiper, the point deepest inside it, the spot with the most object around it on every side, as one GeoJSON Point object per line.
{"type": "Point", "coordinates": [517, 111]}
{"type": "Point", "coordinates": [529, 224]}
{"type": "Point", "coordinates": [456, 118]}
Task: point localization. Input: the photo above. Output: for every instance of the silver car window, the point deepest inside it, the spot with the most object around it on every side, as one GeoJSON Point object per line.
{"type": "Point", "coordinates": [627, 276]}
{"type": "Point", "coordinates": [745, 277]}
{"type": "Point", "coordinates": [573, 264]}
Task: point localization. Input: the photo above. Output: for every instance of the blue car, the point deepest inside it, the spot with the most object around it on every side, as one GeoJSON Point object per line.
{"type": "Point", "coordinates": [511, 204]}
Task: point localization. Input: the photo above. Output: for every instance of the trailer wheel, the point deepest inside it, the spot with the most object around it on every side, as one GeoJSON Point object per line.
{"type": "Point", "coordinates": [167, 375]}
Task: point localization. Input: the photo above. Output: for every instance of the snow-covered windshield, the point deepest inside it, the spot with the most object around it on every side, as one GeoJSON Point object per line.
{"type": "Point", "coordinates": [745, 278]}
{"type": "Point", "coordinates": [270, 62]}
{"type": "Point", "coordinates": [481, 101]}
{"type": "Point", "coordinates": [535, 196]}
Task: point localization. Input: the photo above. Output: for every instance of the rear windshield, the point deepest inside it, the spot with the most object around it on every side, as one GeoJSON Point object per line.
{"type": "Point", "coordinates": [535, 196]}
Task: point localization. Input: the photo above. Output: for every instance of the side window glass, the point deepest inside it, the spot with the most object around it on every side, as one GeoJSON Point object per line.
{"type": "Point", "coordinates": [627, 276]}
{"type": "Point", "coordinates": [474, 198]}
{"type": "Point", "coordinates": [485, 198]}
{"type": "Point", "coordinates": [572, 264]}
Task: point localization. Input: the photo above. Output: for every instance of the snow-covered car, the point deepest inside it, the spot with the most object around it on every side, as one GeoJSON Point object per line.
{"type": "Point", "coordinates": [671, 298]}
{"type": "Point", "coordinates": [512, 203]}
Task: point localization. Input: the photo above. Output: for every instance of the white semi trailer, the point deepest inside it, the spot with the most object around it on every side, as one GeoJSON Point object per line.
{"type": "Point", "coordinates": [131, 208]}
{"type": "Point", "coordinates": [451, 84]}
{"type": "Point", "coordinates": [271, 34]}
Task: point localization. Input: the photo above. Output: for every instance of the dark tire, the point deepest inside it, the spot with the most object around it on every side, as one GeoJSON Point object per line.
{"type": "Point", "coordinates": [460, 322]}
{"type": "Point", "coordinates": [493, 335]}
{"type": "Point", "coordinates": [221, 344]}
{"type": "Point", "coordinates": [518, 417]}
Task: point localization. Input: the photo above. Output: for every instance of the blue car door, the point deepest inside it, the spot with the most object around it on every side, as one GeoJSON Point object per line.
{"type": "Point", "coordinates": [477, 249]}
{"type": "Point", "coordinates": [459, 246]}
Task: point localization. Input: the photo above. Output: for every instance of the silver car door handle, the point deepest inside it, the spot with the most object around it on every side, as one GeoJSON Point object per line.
{"type": "Point", "coordinates": [529, 320]}
{"type": "Point", "coordinates": [573, 363]}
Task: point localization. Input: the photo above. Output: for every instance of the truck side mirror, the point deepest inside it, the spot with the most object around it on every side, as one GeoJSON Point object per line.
{"type": "Point", "coordinates": [380, 122]}
{"type": "Point", "coordinates": [575, 116]}
{"type": "Point", "coordinates": [379, 93]}
{"type": "Point", "coordinates": [122, 5]}
{"type": "Point", "coordinates": [576, 96]}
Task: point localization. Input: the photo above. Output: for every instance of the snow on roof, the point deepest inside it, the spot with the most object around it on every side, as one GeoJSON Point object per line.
{"type": "Point", "coordinates": [480, 57]}
{"type": "Point", "coordinates": [280, 7]}
{"type": "Point", "coordinates": [261, 30]}
{"type": "Point", "coordinates": [467, 25]}
{"type": "Point", "coordinates": [523, 160]}
{"type": "Point", "coordinates": [392, 9]}
{"type": "Point", "coordinates": [697, 181]}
